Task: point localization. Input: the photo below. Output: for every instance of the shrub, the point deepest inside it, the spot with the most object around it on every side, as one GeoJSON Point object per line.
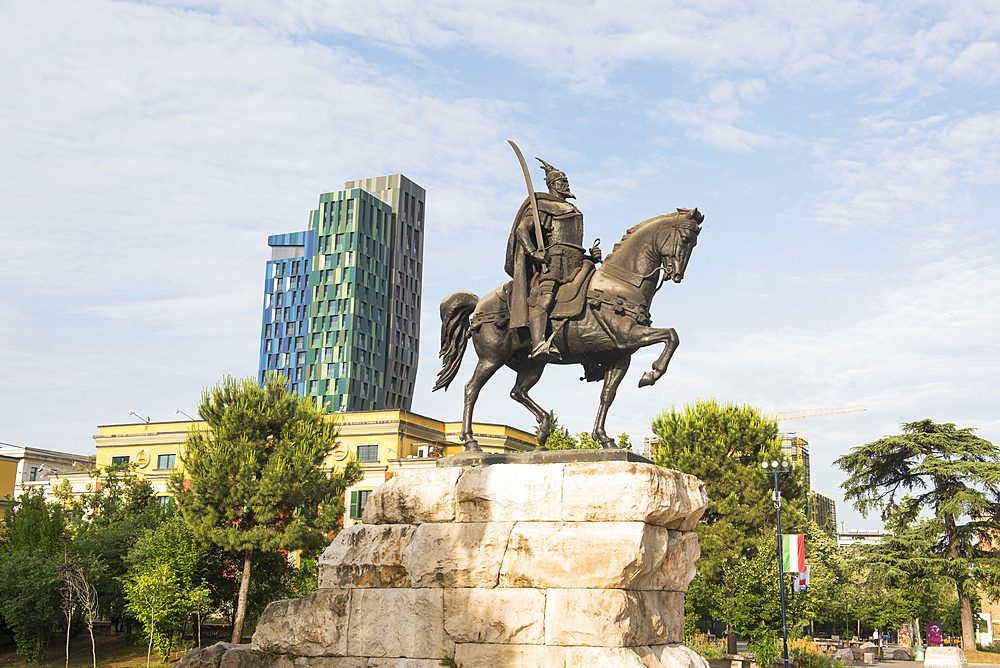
{"type": "Point", "coordinates": [705, 646]}
{"type": "Point", "coordinates": [805, 654]}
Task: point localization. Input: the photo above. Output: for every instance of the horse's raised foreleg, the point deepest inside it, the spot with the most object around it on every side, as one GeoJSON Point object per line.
{"type": "Point", "coordinates": [484, 371]}
{"type": "Point", "coordinates": [528, 374]}
{"type": "Point", "coordinates": [613, 375]}
{"type": "Point", "coordinates": [640, 337]}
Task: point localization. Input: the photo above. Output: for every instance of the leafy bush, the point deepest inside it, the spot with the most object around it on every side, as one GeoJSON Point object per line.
{"type": "Point", "coordinates": [805, 654]}
{"type": "Point", "coordinates": [705, 646]}
{"type": "Point", "coordinates": [764, 647]}
{"type": "Point", "coordinates": [992, 647]}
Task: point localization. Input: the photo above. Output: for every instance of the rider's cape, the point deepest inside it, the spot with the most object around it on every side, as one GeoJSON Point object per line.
{"type": "Point", "coordinates": [517, 263]}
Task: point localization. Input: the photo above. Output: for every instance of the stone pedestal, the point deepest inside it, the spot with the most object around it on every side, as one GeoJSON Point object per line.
{"type": "Point", "coordinates": [945, 657]}
{"type": "Point", "coordinates": [582, 565]}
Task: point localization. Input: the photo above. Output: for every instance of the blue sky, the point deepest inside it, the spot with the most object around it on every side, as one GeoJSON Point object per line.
{"type": "Point", "coordinates": [846, 156]}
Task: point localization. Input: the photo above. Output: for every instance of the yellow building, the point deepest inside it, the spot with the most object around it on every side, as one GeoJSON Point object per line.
{"type": "Point", "coordinates": [8, 481]}
{"type": "Point", "coordinates": [384, 442]}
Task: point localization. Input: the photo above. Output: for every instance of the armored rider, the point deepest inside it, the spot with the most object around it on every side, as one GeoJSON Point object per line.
{"type": "Point", "coordinates": [539, 267]}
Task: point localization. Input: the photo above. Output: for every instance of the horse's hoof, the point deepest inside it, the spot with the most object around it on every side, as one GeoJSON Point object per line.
{"type": "Point", "coordinates": [472, 446]}
{"type": "Point", "coordinates": [541, 447]}
{"type": "Point", "coordinates": [646, 380]}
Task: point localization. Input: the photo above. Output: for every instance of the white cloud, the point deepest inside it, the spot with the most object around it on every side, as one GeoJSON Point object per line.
{"type": "Point", "coordinates": [899, 173]}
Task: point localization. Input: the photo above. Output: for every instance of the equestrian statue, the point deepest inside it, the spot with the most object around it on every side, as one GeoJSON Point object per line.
{"type": "Point", "coordinates": [559, 309]}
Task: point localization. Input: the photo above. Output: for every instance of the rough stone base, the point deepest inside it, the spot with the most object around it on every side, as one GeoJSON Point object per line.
{"type": "Point", "coordinates": [945, 657]}
{"type": "Point", "coordinates": [469, 655]}
{"type": "Point", "coordinates": [546, 656]}
{"type": "Point", "coordinates": [559, 564]}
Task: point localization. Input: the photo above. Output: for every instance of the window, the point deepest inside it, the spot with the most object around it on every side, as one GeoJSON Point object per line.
{"type": "Point", "coordinates": [119, 461]}
{"type": "Point", "coordinates": [33, 473]}
{"type": "Point", "coordinates": [166, 461]}
{"type": "Point", "coordinates": [367, 453]}
{"type": "Point", "coordinates": [359, 499]}
{"type": "Point", "coordinates": [165, 501]}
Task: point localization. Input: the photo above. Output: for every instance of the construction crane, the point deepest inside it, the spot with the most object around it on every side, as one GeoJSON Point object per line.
{"type": "Point", "coordinates": [812, 412]}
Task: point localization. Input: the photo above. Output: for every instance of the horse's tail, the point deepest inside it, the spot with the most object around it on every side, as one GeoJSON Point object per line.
{"type": "Point", "coordinates": [456, 310]}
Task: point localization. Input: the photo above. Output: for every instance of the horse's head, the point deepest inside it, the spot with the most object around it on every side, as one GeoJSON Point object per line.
{"type": "Point", "coordinates": [679, 240]}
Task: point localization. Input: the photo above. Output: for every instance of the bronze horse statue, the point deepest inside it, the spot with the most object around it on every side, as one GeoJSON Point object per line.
{"type": "Point", "coordinates": [612, 325]}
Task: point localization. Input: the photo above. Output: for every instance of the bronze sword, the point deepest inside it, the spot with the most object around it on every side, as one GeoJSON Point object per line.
{"type": "Point", "coordinates": [539, 239]}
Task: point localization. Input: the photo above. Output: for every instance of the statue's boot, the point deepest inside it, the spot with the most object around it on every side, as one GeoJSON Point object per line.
{"type": "Point", "coordinates": [542, 349]}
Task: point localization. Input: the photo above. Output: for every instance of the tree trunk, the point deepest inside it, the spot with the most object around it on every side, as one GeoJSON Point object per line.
{"type": "Point", "coordinates": [917, 638]}
{"type": "Point", "coordinates": [968, 625]}
{"type": "Point", "coordinates": [93, 645]}
{"type": "Point", "coordinates": [69, 617]}
{"type": "Point", "coordinates": [241, 605]}
{"type": "Point", "coordinates": [731, 647]}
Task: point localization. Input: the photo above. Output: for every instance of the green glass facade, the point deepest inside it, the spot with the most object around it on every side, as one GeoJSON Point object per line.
{"type": "Point", "coordinates": [360, 316]}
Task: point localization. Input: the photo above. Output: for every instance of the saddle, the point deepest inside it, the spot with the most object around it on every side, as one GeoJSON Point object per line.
{"type": "Point", "coordinates": [572, 296]}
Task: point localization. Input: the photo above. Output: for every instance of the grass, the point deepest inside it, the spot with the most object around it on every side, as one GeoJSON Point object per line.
{"type": "Point", "coordinates": [982, 657]}
{"type": "Point", "coordinates": [113, 651]}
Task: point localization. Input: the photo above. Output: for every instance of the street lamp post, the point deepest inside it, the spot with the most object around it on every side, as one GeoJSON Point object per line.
{"type": "Point", "coordinates": [781, 567]}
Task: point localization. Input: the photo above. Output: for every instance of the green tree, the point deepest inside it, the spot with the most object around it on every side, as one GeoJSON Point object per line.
{"type": "Point", "coordinates": [723, 445]}
{"type": "Point", "coordinates": [560, 438]}
{"type": "Point", "coordinates": [30, 554]}
{"type": "Point", "coordinates": [105, 526]}
{"type": "Point", "coordinates": [955, 476]}
{"type": "Point", "coordinates": [170, 546]}
{"type": "Point", "coordinates": [257, 481]}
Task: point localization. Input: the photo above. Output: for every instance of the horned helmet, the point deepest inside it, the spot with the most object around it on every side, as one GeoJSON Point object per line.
{"type": "Point", "coordinates": [552, 175]}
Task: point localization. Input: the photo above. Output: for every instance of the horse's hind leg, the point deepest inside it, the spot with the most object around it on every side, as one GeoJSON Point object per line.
{"type": "Point", "coordinates": [528, 374]}
{"type": "Point", "coordinates": [484, 371]}
{"type": "Point", "coordinates": [613, 375]}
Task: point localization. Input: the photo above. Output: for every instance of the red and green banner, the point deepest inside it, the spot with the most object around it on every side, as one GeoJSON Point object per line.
{"type": "Point", "coordinates": [793, 553]}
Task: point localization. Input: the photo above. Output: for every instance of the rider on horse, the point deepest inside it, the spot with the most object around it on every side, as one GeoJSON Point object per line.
{"type": "Point", "coordinates": [539, 267]}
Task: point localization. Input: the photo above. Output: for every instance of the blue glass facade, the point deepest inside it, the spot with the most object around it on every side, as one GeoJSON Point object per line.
{"type": "Point", "coordinates": [342, 299]}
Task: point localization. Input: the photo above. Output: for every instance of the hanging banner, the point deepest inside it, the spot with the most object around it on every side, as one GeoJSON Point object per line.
{"type": "Point", "coordinates": [793, 552]}
{"type": "Point", "coordinates": [802, 581]}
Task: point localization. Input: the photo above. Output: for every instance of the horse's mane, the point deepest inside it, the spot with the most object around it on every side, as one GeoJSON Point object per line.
{"type": "Point", "coordinates": [649, 221]}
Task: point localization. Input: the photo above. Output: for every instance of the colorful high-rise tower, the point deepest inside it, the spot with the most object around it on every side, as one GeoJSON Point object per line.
{"type": "Point", "coordinates": [349, 339]}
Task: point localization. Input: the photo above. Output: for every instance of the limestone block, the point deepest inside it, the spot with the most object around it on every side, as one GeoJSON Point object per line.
{"type": "Point", "coordinates": [403, 663]}
{"type": "Point", "coordinates": [613, 617]}
{"type": "Point", "coordinates": [673, 562]}
{"type": "Point", "coordinates": [607, 657]}
{"type": "Point", "coordinates": [314, 625]}
{"type": "Point", "coordinates": [598, 555]}
{"type": "Point", "coordinates": [945, 657]}
{"type": "Point", "coordinates": [425, 555]}
{"type": "Point", "coordinates": [510, 493]}
{"type": "Point", "coordinates": [415, 497]}
{"type": "Point", "coordinates": [508, 616]}
{"type": "Point", "coordinates": [328, 662]}
{"type": "Point", "coordinates": [204, 657]}
{"type": "Point", "coordinates": [509, 656]}
{"type": "Point", "coordinates": [657, 656]}
{"type": "Point", "coordinates": [367, 555]}
{"type": "Point", "coordinates": [241, 656]}
{"type": "Point", "coordinates": [677, 656]}
{"type": "Point", "coordinates": [405, 623]}
{"type": "Point", "coordinates": [457, 555]}
{"type": "Point", "coordinates": [843, 655]}
{"type": "Point", "coordinates": [632, 492]}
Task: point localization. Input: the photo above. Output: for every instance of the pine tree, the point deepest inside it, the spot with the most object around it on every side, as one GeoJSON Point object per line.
{"type": "Point", "coordinates": [257, 481]}
{"type": "Point", "coordinates": [724, 445]}
{"type": "Point", "coordinates": [953, 475]}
